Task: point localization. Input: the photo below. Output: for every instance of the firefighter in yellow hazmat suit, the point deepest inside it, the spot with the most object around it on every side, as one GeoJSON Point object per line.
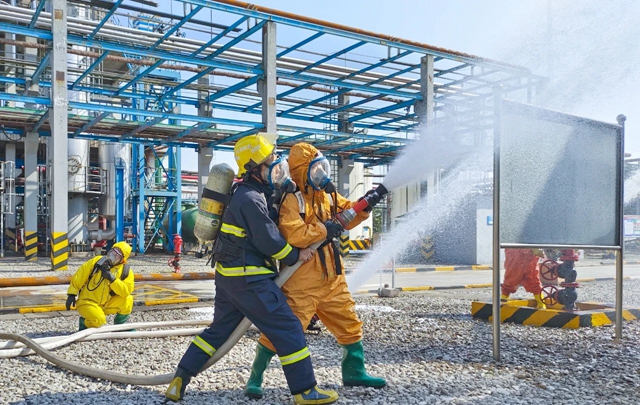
{"type": "Point", "coordinates": [103, 286]}
{"type": "Point", "coordinates": [319, 285]}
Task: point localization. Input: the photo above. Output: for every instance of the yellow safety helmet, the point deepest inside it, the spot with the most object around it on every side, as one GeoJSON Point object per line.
{"type": "Point", "coordinates": [251, 151]}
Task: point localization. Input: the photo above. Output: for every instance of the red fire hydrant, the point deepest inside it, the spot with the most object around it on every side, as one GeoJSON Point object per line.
{"type": "Point", "coordinates": [177, 253]}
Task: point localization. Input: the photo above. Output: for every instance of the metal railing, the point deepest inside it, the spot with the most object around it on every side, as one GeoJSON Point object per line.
{"type": "Point", "coordinates": [89, 180]}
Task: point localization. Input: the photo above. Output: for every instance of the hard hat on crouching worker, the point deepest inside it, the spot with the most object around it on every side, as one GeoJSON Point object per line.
{"type": "Point", "coordinates": [253, 150]}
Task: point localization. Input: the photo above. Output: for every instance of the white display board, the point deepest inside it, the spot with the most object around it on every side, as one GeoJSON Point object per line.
{"type": "Point", "coordinates": [559, 178]}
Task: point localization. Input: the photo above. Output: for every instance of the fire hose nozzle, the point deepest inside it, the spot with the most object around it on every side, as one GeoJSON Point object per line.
{"type": "Point", "coordinates": [370, 200]}
{"type": "Point", "coordinates": [346, 216]}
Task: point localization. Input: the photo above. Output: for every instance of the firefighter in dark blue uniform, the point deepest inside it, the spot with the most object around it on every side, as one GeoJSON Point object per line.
{"type": "Point", "coordinates": [245, 252]}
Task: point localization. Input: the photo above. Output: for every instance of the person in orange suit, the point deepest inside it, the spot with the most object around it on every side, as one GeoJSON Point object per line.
{"type": "Point", "coordinates": [319, 285]}
{"type": "Point", "coordinates": [522, 268]}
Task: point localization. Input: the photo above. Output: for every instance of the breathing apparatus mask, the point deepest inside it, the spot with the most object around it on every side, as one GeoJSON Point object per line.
{"type": "Point", "coordinates": [113, 258]}
{"type": "Point", "coordinates": [318, 175]}
{"type": "Point", "coordinates": [278, 175]}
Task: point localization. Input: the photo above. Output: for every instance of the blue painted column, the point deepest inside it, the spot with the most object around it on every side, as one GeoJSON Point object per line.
{"type": "Point", "coordinates": [120, 200]}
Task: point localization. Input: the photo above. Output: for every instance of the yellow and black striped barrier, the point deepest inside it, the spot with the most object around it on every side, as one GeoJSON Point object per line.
{"type": "Point", "coordinates": [59, 251]}
{"type": "Point", "coordinates": [426, 249]}
{"type": "Point", "coordinates": [344, 245]}
{"type": "Point", "coordinates": [360, 244]}
{"type": "Point", "coordinates": [30, 246]}
{"type": "Point", "coordinates": [524, 312]}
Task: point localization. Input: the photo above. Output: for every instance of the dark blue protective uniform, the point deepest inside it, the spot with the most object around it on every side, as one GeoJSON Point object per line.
{"type": "Point", "coordinates": [247, 245]}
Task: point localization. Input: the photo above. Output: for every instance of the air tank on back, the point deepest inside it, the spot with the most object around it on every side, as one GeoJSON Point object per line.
{"type": "Point", "coordinates": [215, 196]}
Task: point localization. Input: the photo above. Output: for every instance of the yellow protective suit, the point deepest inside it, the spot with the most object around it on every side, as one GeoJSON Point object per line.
{"type": "Point", "coordinates": [94, 299]}
{"type": "Point", "coordinates": [312, 289]}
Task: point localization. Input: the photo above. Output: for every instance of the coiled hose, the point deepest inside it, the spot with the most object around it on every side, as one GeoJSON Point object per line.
{"type": "Point", "coordinates": [123, 378]}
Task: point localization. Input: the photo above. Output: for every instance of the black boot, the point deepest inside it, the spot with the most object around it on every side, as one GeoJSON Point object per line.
{"type": "Point", "coordinates": [175, 392]}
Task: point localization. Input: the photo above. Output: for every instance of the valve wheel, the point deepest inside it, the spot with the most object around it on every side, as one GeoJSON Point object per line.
{"type": "Point", "coordinates": [550, 294]}
{"type": "Point", "coordinates": [549, 270]}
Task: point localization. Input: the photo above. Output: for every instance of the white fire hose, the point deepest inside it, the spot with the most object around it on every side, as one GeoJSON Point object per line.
{"type": "Point", "coordinates": [19, 345]}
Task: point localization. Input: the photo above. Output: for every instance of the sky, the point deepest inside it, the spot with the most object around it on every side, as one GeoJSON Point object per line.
{"type": "Point", "coordinates": [588, 50]}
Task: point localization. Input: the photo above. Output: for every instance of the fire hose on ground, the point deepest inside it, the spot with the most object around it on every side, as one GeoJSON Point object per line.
{"type": "Point", "coordinates": [122, 378]}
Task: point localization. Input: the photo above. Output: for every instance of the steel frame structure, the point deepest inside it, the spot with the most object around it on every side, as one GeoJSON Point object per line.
{"type": "Point", "coordinates": [384, 92]}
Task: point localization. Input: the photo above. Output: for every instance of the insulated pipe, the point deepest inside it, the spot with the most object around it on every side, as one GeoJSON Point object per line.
{"type": "Point", "coordinates": [103, 235]}
{"type": "Point", "coordinates": [123, 378]}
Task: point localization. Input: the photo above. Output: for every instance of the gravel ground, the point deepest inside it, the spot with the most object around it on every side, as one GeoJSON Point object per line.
{"type": "Point", "coordinates": [426, 345]}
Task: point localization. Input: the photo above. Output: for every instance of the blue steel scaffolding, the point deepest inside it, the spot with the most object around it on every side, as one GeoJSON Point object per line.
{"type": "Point", "coordinates": [164, 82]}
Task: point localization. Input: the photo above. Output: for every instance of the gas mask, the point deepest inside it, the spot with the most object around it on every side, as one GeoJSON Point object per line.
{"type": "Point", "coordinates": [278, 175]}
{"type": "Point", "coordinates": [318, 175]}
{"type": "Point", "coordinates": [115, 256]}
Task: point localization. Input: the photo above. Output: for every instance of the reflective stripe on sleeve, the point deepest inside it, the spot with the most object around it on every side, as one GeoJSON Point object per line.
{"type": "Point", "coordinates": [283, 253]}
{"type": "Point", "coordinates": [233, 230]}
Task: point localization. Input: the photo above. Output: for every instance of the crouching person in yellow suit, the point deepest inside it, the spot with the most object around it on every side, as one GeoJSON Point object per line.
{"type": "Point", "coordinates": [102, 286]}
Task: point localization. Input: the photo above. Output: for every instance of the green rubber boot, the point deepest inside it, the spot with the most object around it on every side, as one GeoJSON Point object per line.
{"type": "Point", "coordinates": [119, 319]}
{"type": "Point", "coordinates": [253, 389]}
{"type": "Point", "coordinates": [353, 372]}
{"type": "Point", "coordinates": [81, 325]}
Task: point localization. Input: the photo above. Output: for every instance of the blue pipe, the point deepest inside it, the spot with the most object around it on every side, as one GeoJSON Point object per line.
{"type": "Point", "coordinates": [119, 200]}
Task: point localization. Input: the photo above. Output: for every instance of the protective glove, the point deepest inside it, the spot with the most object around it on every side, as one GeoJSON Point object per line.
{"type": "Point", "coordinates": [71, 301]}
{"type": "Point", "coordinates": [333, 230]}
{"type": "Point", "coordinates": [108, 275]}
{"type": "Point", "coordinates": [372, 199]}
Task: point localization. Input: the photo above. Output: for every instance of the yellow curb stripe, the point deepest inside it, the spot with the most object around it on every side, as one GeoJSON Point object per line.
{"type": "Point", "coordinates": [478, 285]}
{"type": "Point", "coordinates": [406, 270]}
{"type": "Point", "coordinates": [424, 288]}
{"type": "Point", "coordinates": [49, 308]}
{"type": "Point", "coordinates": [480, 267]}
{"type": "Point", "coordinates": [445, 268]}
{"type": "Point", "coordinates": [170, 301]}
{"type": "Point", "coordinates": [628, 316]}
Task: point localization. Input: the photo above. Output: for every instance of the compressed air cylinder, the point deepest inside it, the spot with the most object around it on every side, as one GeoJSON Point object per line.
{"type": "Point", "coordinates": [212, 203]}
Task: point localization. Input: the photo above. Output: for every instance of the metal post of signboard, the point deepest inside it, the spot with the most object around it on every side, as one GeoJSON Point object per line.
{"type": "Point", "coordinates": [620, 254]}
{"type": "Point", "coordinates": [497, 99]}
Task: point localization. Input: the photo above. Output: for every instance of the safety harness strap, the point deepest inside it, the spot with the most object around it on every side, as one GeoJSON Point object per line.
{"type": "Point", "coordinates": [301, 204]}
{"type": "Point", "coordinates": [214, 195]}
{"type": "Point", "coordinates": [223, 251]}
